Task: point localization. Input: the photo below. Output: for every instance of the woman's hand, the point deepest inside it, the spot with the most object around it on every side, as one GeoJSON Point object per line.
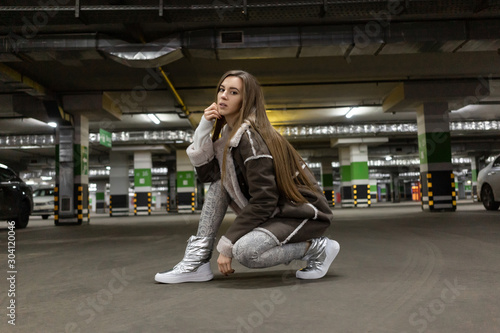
{"type": "Point", "coordinates": [225, 265]}
{"type": "Point", "coordinates": [212, 112]}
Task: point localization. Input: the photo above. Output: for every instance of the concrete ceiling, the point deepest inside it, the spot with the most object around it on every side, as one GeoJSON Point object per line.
{"type": "Point", "coordinates": [314, 59]}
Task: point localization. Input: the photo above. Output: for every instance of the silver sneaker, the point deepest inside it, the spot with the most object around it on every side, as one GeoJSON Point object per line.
{"type": "Point", "coordinates": [195, 266]}
{"type": "Point", "coordinates": [319, 256]}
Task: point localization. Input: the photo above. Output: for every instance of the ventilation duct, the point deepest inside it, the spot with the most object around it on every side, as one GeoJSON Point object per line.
{"type": "Point", "coordinates": [149, 55]}
{"type": "Point", "coordinates": [91, 46]}
{"type": "Point", "coordinates": [370, 38]}
{"type": "Point", "coordinates": [255, 43]}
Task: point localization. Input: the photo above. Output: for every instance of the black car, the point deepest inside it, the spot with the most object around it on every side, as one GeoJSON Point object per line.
{"type": "Point", "coordinates": [16, 198]}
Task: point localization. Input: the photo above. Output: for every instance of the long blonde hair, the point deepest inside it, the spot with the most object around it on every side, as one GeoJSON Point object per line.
{"type": "Point", "coordinates": [288, 165]}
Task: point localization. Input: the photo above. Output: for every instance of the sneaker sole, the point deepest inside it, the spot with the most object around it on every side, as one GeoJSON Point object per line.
{"type": "Point", "coordinates": [203, 275]}
{"type": "Point", "coordinates": [332, 253]}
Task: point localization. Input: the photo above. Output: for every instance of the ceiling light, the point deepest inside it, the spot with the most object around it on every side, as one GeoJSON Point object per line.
{"type": "Point", "coordinates": [52, 124]}
{"type": "Point", "coordinates": [350, 113]}
{"type": "Point", "coordinates": [154, 118]}
{"type": "Point", "coordinates": [388, 158]}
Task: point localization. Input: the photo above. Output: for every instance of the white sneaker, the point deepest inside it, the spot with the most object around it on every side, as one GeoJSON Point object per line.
{"type": "Point", "coordinates": [177, 275]}
{"type": "Point", "coordinates": [318, 264]}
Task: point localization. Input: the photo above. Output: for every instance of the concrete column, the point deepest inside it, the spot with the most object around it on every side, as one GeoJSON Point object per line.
{"type": "Point", "coordinates": [172, 189]}
{"type": "Point", "coordinates": [436, 171]}
{"type": "Point", "coordinates": [72, 173]}
{"type": "Point", "coordinates": [395, 193]}
{"type": "Point", "coordinates": [142, 182]}
{"type": "Point", "coordinates": [186, 187]}
{"type": "Point", "coordinates": [373, 191]}
{"type": "Point", "coordinates": [406, 195]}
{"type": "Point", "coordinates": [161, 199]}
{"type": "Point", "coordinates": [100, 195]}
{"type": "Point", "coordinates": [475, 163]}
{"type": "Point", "coordinates": [347, 199]}
{"type": "Point", "coordinates": [119, 184]}
{"type": "Point", "coordinates": [384, 192]}
{"type": "Point", "coordinates": [360, 175]}
{"type": "Point", "coordinates": [460, 185]}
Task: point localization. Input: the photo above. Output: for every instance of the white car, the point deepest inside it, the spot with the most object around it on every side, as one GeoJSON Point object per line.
{"type": "Point", "coordinates": [43, 202]}
{"type": "Point", "coordinates": [488, 185]}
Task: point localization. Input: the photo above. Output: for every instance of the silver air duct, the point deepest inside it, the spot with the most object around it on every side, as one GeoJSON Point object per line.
{"type": "Point", "coordinates": [372, 38]}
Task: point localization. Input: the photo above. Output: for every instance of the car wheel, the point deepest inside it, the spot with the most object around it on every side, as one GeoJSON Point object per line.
{"type": "Point", "coordinates": [23, 216]}
{"type": "Point", "coordinates": [488, 198]}
{"type": "Point", "coordinates": [45, 217]}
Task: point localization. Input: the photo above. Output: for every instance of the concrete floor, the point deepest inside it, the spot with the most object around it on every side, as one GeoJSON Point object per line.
{"type": "Point", "coordinates": [399, 270]}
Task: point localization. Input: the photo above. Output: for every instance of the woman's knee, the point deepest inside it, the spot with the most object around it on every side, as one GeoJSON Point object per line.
{"type": "Point", "coordinates": [245, 253]}
{"type": "Point", "coordinates": [248, 249]}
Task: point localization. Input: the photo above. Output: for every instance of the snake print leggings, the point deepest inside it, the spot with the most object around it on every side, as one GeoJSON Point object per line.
{"type": "Point", "coordinates": [256, 249]}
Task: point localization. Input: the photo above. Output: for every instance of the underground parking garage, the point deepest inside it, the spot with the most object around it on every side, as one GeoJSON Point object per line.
{"type": "Point", "coordinates": [392, 105]}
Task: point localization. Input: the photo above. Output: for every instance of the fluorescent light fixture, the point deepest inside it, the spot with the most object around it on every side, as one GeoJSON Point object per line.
{"type": "Point", "coordinates": [52, 124]}
{"type": "Point", "coordinates": [46, 178]}
{"type": "Point", "coordinates": [154, 118]}
{"type": "Point", "coordinates": [350, 113]}
{"type": "Point", "coordinates": [388, 158]}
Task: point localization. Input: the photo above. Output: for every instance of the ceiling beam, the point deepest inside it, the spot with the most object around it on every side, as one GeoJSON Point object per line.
{"type": "Point", "coordinates": [407, 96]}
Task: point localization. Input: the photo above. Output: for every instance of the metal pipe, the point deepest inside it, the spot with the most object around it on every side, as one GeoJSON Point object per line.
{"type": "Point", "coordinates": [177, 97]}
{"type": "Point", "coordinates": [214, 6]}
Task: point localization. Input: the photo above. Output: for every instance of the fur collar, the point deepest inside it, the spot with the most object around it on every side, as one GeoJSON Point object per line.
{"type": "Point", "coordinates": [235, 140]}
{"type": "Point", "coordinates": [230, 179]}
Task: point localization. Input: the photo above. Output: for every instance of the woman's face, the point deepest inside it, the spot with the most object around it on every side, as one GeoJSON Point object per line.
{"type": "Point", "coordinates": [230, 98]}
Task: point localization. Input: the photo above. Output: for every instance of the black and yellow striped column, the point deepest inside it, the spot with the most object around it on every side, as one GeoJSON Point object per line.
{"type": "Point", "coordinates": [360, 175]}
{"type": "Point", "coordinates": [436, 170]}
{"type": "Point", "coordinates": [79, 202]}
{"type": "Point", "coordinates": [453, 192]}
{"type": "Point", "coordinates": [82, 202]}
{"type": "Point", "coordinates": [56, 204]}
{"type": "Point", "coordinates": [143, 201]}
{"type": "Point", "coordinates": [439, 180]}
{"type": "Point", "coordinates": [135, 203]}
{"type": "Point", "coordinates": [362, 195]}
{"type": "Point", "coordinates": [330, 197]}
{"type": "Point", "coordinates": [149, 203]}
